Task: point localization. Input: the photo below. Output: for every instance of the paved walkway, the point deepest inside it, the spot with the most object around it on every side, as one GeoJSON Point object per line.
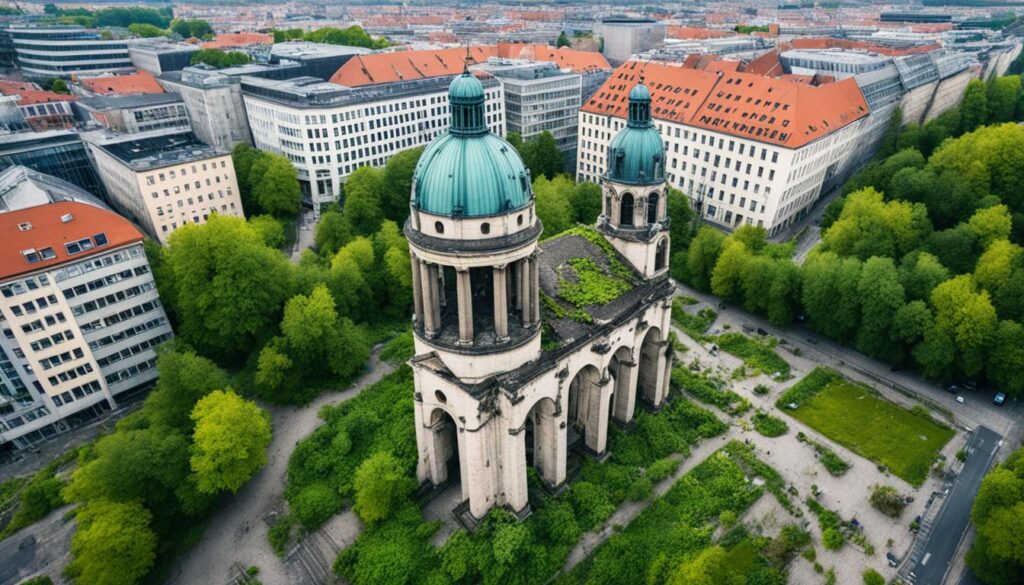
{"type": "Point", "coordinates": [237, 533]}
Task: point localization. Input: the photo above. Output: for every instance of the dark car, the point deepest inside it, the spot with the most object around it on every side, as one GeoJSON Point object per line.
{"type": "Point", "coordinates": [999, 400]}
{"type": "Point", "coordinates": [952, 388]}
{"type": "Point", "coordinates": [761, 331]}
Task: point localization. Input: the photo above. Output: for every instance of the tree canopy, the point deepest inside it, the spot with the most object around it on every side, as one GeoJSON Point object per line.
{"type": "Point", "coordinates": [220, 59]}
{"type": "Point", "coordinates": [230, 441]}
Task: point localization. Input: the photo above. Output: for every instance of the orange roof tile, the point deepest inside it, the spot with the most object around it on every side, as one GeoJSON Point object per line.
{"type": "Point", "coordinates": [241, 39]}
{"type": "Point", "coordinates": [692, 32]}
{"type": "Point", "coordinates": [776, 111]}
{"type": "Point", "coordinates": [48, 231]}
{"type": "Point", "coordinates": [133, 84]}
{"type": "Point", "coordinates": [31, 93]}
{"type": "Point", "coordinates": [405, 65]}
{"type": "Point", "coordinates": [832, 43]}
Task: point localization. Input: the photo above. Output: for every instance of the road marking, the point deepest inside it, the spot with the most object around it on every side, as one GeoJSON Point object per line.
{"type": "Point", "coordinates": [924, 561]}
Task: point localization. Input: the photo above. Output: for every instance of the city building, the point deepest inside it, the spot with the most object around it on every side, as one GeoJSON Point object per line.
{"type": "Point", "coordinates": [746, 148]}
{"type": "Point", "coordinates": [47, 52]}
{"type": "Point", "coordinates": [489, 401]}
{"type": "Point", "coordinates": [328, 130]}
{"type": "Point", "coordinates": [213, 100]}
{"type": "Point", "coordinates": [40, 109]}
{"type": "Point", "coordinates": [60, 153]}
{"type": "Point", "coordinates": [22, 187]}
{"type": "Point", "coordinates": [315, 59]}
{"type": "Point", "coordinates": [80, 318]}
{"type": "Point", "coordinates": [625, 37]}
{"type": "Point", "coordinates": [256, 45]}
{"type": "Point", "coordinates": [132, 114]}
{"type": "Point", "coordinates": [540, 97]}
{"type": "Point", "coordinates": [12, 119]}
{"type": "Point", "coordinates": [165, 179]}
{"type": "Point", "coordinates": [136, 83]}
{"type": "Point", "coordinates": [160, 55]}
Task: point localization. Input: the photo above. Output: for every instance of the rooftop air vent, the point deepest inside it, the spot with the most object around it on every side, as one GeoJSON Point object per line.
{"type": "Point", "coordinates": [67, 217]}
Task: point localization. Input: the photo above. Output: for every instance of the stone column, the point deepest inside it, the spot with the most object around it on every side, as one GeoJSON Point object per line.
{"type": "Point", "coordinates": [513, 462]}
{"type": "Point", "coordinates": [534, 290]}
{"type": "Point", "coordinates": [661, 379]}
{"type": "Point", "coordinates": [478, 467]}
{"type": "Point", "coordinates": [500, 302]}
{"type": "Point", "coordinates": [518, 284]}
{"type": "Point", "coordinates": [599, 398]}
{"type": "Point", "coordinates": [417, 292]}
{"type": "Point", "coordinates": [431, 310]}
{"type": "Point", "coordinates": [465, 295]}
{"type": "Point", "coordinates": [524, 292]}
{"type": "Point", "coordinates": [550, 445]}
{"type": "Point", "coordinates": [625, 392]}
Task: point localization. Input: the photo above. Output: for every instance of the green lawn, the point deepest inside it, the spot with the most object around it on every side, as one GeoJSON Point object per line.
{"type": "Point", "coordinates": [855, 416]}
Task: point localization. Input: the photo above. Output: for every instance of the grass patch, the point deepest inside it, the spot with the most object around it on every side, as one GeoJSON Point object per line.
{"type": "Point", "coordinates": [593, 285]}
{"type": "Point", "coordinates": [696, 326]}
{"type": "Point", "coordinates": [833, 463]}
{"type": "Point", "coordinates": [769, 425]}
{"type": "Point", "coordinates": [679, 525]}
{"type": "Point", "coordinates": [855, 416]}
{"type": "Point", "coordinates": [32, 498]}
{"type": "Point", "coordinates": [812, 383]}
{"type": "Point", "coordinates": [710, 390]}
{"type": "Point", "coordinates": [399, 349]}
{"type": "Point", "coordinates": [758, 355]}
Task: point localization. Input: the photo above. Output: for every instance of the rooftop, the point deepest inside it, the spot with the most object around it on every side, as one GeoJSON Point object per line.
{"type": "Point", "coordinates": [155, 149]}
{"type": "Point", "coordinates": [306, 49]}
{"type": "Point", "coordinates": [135, 83]}
{"type": "Point", "coordinates": [22, 187]}
{"type": "Point", "coordinates": [229, 40]}
{"type": "Point", "coordinates": [120, 102]}
{"type": "Point", "coordinates": [747, 105]}
{"type": "Point", "coordinates": [31, 93]}
{"type": "Point", "coordinates": [314, 92]}
{"type": "Point", "coordinates": [52, 226]}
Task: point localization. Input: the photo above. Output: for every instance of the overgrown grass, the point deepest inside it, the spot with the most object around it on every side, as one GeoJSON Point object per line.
{"type": "Point", "coordinates": [757, 354]}
{"type": "Point", "coordinates": [679, 525]}
{"type": "Point", "coordinates": [833, 463]}
{"type": "Point", "coordinates": [856, 417]}
{"type": "Point", "coordinates": [769, 425]}
{"type": "Point", "coordinates": [399, 349]}
{"type": "Point", "coordinates": [696, 326]}
{"type": "Point", "coordinates": [34, 497]}
{"type": "Point", "coordinates": [710, 390]}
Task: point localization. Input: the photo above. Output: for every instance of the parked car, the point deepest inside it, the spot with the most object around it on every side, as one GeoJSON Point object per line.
{"type": "Point", "coordinates": [893, 561]}
{"type": "Point", "coordinates": [999, 400]}
{"type": "Point", "coordinates": [960, 399]}
{"type": "Point", "coordinates": [952, 388]}
{"type": "Point", "coordinates": [761, 331]}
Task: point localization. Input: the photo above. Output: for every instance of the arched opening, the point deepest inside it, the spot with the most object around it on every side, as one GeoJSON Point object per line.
{"type": "Point", "coordinates": [588, 415]}
{"type": "Point", "coordinates": [621, 369]}
{"type": "Point", "coordinates": [647, 385]}
{"type": "Point", "coordinates": [652, 208]}
{"type": "Point", "coordinates": [661, 254]}
{"type": "Point", "coordinates": [438, 227]}
{"type": "Point", "coordinates": [626, 210]}
{"type": "Point", "coordinates": [445, 454]}
{"type": "Point", "coordinates": [543, 442]}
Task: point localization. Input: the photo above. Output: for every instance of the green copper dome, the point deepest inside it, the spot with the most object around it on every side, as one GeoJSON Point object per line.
{"type": "Point", "coordinates": [469, 172]}
{"type": "Point", "coordinates": [637, 153]}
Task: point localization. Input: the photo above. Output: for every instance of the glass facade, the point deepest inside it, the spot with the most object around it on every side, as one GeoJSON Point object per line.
{"type": "Point", "coordinates": [63, 156]}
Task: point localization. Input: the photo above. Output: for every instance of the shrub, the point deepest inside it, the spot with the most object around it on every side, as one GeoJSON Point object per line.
{"type": "Point", "coordinates": [280, 532]}
{"type": "Point", "coordinates": [640, 489]}
{"type": "Point", "coordinates": [314, 504]}
{"type": "Point", "coordinates": [591, 504]}
{"type": "Point", "coordinates": [887, 500]}
{"type": "Point", "coordinates": [872, 577]}
{"type": "Point", "coordinates": [832, 539]}
{"type": "Point", "coordinates": [399, 349]}
{"type": "Point", "coordinates": [381, 486]}
{"type": "Point", "coordinates": [696, 326]}
{"type": "Point", "coordinates": [727, 518]}
{"type": "Point", "coordinates": [710, 390]}
{"type": "Point", "coordinates": [662, 469]}
{"type": "Point", "coordinates": [761, 390]}
{"type": "Point", "coordinates": [756, 354]}
{"type": "Point", "coordinates": [961, 455]}
{"type": "Point", "coordinates": [768, 425]}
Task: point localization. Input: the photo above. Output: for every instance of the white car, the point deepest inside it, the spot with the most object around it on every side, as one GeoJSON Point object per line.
{"type": "Point", "coordinates": [960, 399]}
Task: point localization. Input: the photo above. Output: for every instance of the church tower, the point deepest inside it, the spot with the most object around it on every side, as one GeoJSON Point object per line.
{"type": "Point", "coordinates": [634, 215]}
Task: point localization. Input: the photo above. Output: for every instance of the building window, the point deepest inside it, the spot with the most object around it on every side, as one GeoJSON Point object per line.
{"type": "Point", "coordinates": [626, 210]}
{"type": "Point", "coordinates": [485, 228]}
{"type": "Point", "coordinates": [438, 227]}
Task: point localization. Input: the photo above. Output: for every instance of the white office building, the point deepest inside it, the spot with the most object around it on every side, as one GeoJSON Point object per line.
{"type": "Point", "coordinates": [46, 52]}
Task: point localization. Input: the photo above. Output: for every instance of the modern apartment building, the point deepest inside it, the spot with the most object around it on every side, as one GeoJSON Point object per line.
{"type": "Point", "coordinates": [41, 109]}
{"type": "Point", "coordinates": [625, 37]}
{"type": "Point", "coordinates": [213, 100]}
{"type": "Point", "coordinates": [160, 55]}
{"type": "Point", "coordinates": [46, 52]}
{"type": "Point", "coordinates": [132, 114]}
{"type": "Point", "coordinates": [60, 153]}
{"type": "Point", "coordinates": [540, 97]}
{"type": "Point", "coordinates": [328, 130]}
{"type": "Point", "coordinates": [746, 148]}
{"type": "Point", "coordinates": [80, 318]}
{"type": "Point", "coordinates": [165, 179]}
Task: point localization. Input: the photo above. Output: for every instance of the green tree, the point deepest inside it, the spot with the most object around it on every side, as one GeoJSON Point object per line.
{"type": "Point", "coordinates": [113, 544]}
{"type": "Point", "coordinates": [58, 85]}
{"type": "Point", "coordinates": [997, 265]}
{"type": "Point", "coordinates": [586, 202]}
{"type": "Point", "coordinates": [910, 323]}
{"type": "Point", "coordinates": [989, 160]}
{"type": "Point", "coordinates": [332, 232]}
{"type": "Point", "coordinates": [316, 336]}
{"type": "Point", "coordinates": [968, 318]}
{"type": "Point", "coordinates": [869, 226]}
{"type": "Point", "coordinates": [830, 294]}
{"type": "Point", "coordinates": [184, 378]}
{"type": "Point", "coordinates": [147, 31]}
{"type": "Point", "coordinates": [381, 484]}
{"type": "Point", "coordinates": [991, 224]}
{"type": "Point", "coordinates": [353, 36]}
{"type": "Point", "coordinates": [920, 273]}
{"type": "Point", "coordinates": [974, 107]}
{"type": "Point", "coordinates": [1005, 360]}
{"type": "Point", "coordinates": [243, 157]}
{"type": "Point", "coordinates": [398, 184]}
{"type": "Point", "coordinates": [271, 230]}
{"type": "Point", "coordinates": [364, 191]}
{"type": "Point", "coordinates": [887, 500]}
{"type": "Point", "coordinates": [542, 157]}
{"type": "Point", "coordinates": [998, 513]}
{"type": "Point", "coordinates": [702, 256]}
{"type": "Point", "coordinates": [230, 441]}
{"type": "Point", "coordinates": [563, 40]}
{"type": "Point", "coordinates": [275, 185]}
{"type": "Point", "coordinates": [873, 577]}
{"type": "Point", "coordinates": [881, 296]}
{"type": "Point", "coordinates": [189, 28]}
{"type": "Point", "coordinates": [553, 203]}
{"type": "Point", "coordinates": [956, 248]}
{"type": "Point", "coordinates": [219, 59]}
{"type": "Point", "coordinates": [1002, 98]}
{"type": "Point", "coordinates": [727, 277]}
{"type": "Point", "coordinates": [230, 286]}
{"type": "Point", "coordinates": [710, 567]}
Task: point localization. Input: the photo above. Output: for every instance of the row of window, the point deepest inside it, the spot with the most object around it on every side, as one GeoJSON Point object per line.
{"type": "Point", "coordinates": [133, 350]}
{"type": "Point", "coordinates": [173, 174]}
{"type": "Point", "coordinates": [86, 266]}
{"type": "Point", "coordinates": [99, 283]}
{"type": "Point", "coordinates": [55, 339]}
{"type": "Point", "coordinates": [23, 286]}
{"type": "Point", "coordinates": [126, 333]}
{"type": "Point", "coordinates": [130, 371]}
{"type": "Point", "coordinates": [37, 325]}
{"type": "Point", "coordinates": [71, 374]}
{"type": "Point", "coordinates": [32, 306]}
{"type": "Point", "coordinates": [112, 298]}
{"type": "Point", "coordinates": [67, 356]}
{"type": "Point", "coordinates": [77, 392]}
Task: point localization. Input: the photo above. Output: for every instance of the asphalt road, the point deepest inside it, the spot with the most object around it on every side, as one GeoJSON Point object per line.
{"type": "Point", "coordinates": [951, 524]}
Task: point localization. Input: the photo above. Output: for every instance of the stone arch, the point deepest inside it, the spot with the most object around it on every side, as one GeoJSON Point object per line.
{"type": "Point", "coordinates": [650, 367]}
{"type": "Point", "coordinates": [652, 208]}
{"type": "Point", "coordinates": [445, 454]}
{"type": "Point", "coordinates": [661, 254]}
{"type": "Point", "coordinates": [626, 210]}
{"type": "Point", "coordinates": [622, 371]}
{"type": "Point", "coordinates": [588, 408]}
{"type": "Point", "coordinates": [545, 443]}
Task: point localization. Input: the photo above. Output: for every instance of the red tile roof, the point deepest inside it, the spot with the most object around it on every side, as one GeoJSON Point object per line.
{"type": "Point", "coordinates": [133, 84]}
{"type": "Point", "coordinates": [747, 105]}
{"type": "Point", "coordinates": [689, 32]}
{"type": "Point", "coordinates": [405, 65]}
{"type": "Point", "coordinates": [48, 231]}
{"type": "Point", "coordinates": [31, 93]}
{"type": "Point", "coordinates": [831, 43]}
{"type": "Point", "coordinates": [241, 39]}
